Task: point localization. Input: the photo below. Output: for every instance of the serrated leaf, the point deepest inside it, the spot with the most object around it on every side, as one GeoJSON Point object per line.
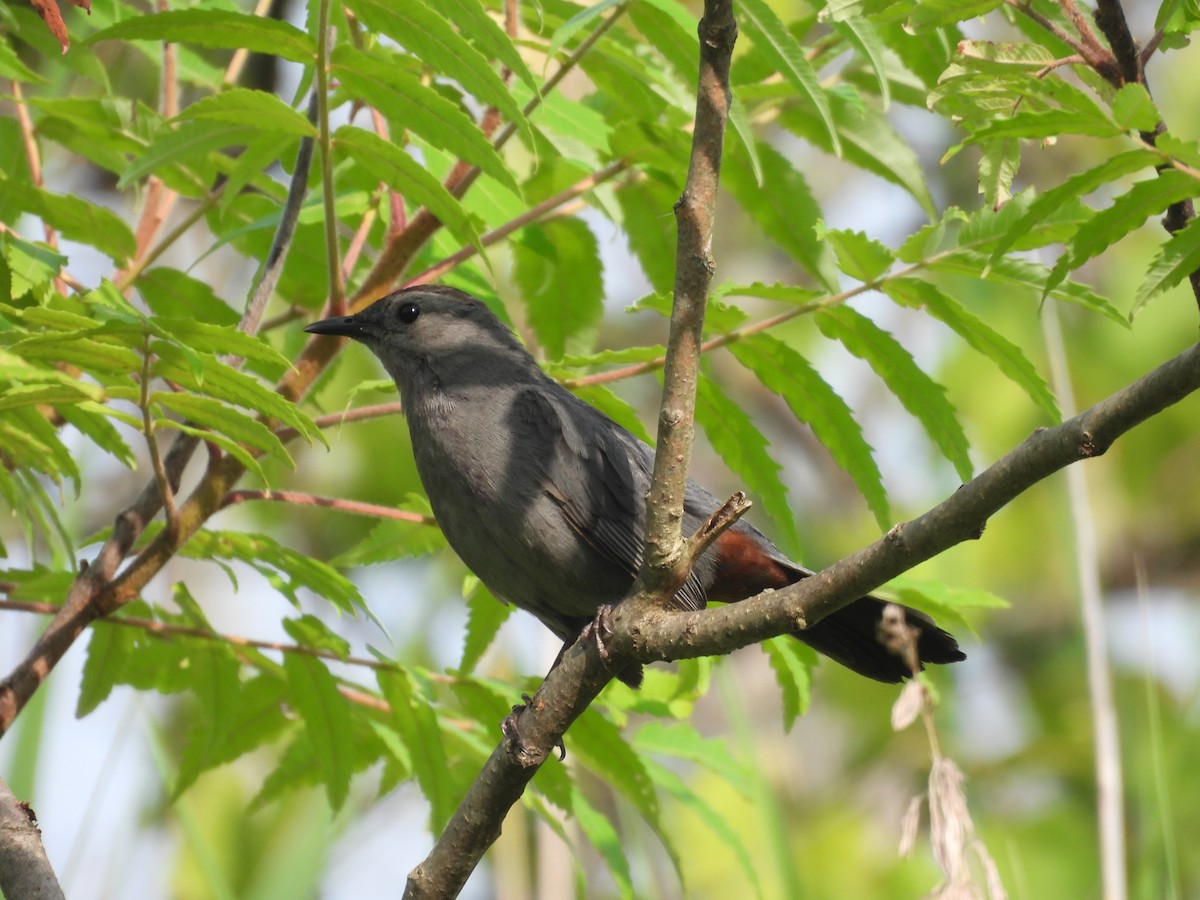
{"type": "Point", "coordinates": [1126, 213]}
{"type": "Point", "coordinates": [681, 740]}
{"type": "Point", "coordinates": [481, 30]}
{"type": "Point", "coordinates": [997, 168]}
{"type": "Point", "coordinates": [309, 631]}
{"type": "Point", "coordinates": [272, 559]}
{"type": "Point", "coordinates": [222, 382]}
{"type": "Point", "coordinates": [406, 101]}
{"type": "Point", "coordinates": [744, 449]}
{"type": "Point", "coordinates": [327, 726]}
{"type": "Point", "coordinates": [216, 28]}
{"type": "Point", "coordinates": [189, 143]}
{"type": "Point", "coordinates": [428, 34]}
{"type": "Point", "coordinates": [395, 168]}
{"type": "Point", "coordinates": [557, 267]}
{"type": "Point", "coordinates": [913, 292]}
{"type": "Point", "coordinates": [91, 420]}
{"type": "Point", "coordinates": [863, 35]}
{"type": "Point", "coordinates": [241, 106]}
{"type": "Point", "coordinates": [255, 718]}
{"type": "Point", "coordinates": [792, 662]}
{"type": "Point", "coordinates": [813, 401]}
{"type": "Point", "coordinates": [30, 266]}
{"type": "Point", "coordinates": [1133, 108]}
{"type": "Point", "coordinates": [782, 206]}
{"type": "Point", "coordinates": [774, 40]}
{"type": "Point", "coordinates": [1075, 187]}
{"type": "Point", "coordinates": [19, 395]}
{"type": "Point", "coordinates": [485, 615]}
{"type": "Point", "coordinates": [225, 420]}
{"type": "Point", "coordinates": [1178, 258]}
{"type": "Point", "coordinates": [600, 832]}
{"type": "Point", "coordinates": [868, 140]}
{"type": "Point", "coordinates": [416, 723]}
{"type": "Point", "coordinates": [858, 256]}
{"type": "Point", "coordinates": [76, 218]}
{"type": "Point", "coordinates": [108, 648]}
{"type": "Point", "coordinates": [393, 539]}
{"type": "Point", "coordinates": [218, 339]}
{"type": "Point", "coordinates": [600, 745]}
{"type": "Point", "coordinates": [230, 446]}
{"type": "Point", "coordinates": [923, 397]}
{"type": "Point", "coordinates": [172, 294]}
{"type": "Point", "coordinates": [928, 14]}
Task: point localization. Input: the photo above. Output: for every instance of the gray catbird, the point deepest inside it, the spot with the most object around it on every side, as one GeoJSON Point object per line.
{"type": "Point", "coordinates": [544, 497]}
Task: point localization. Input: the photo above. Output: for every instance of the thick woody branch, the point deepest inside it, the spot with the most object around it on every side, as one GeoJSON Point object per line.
{"type": "Point", "coordinates": [24, 867]}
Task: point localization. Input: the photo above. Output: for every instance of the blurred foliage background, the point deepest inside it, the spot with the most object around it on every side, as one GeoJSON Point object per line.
{"type": "Point", "coordinates": [138, 798]}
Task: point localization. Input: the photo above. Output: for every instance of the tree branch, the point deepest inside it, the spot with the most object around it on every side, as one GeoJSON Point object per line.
{"type": "Point", "coordinates": [25, 870]}
{"type": "Point", "coordinates": [572, 685]}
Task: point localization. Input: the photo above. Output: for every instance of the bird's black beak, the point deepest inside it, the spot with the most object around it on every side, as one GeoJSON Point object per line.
{"type": "Point", "coordinates": [338, 326]}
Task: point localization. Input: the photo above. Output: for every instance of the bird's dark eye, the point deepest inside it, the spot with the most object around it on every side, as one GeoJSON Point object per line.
{"type": "Point", "coordinates": [408, 313]}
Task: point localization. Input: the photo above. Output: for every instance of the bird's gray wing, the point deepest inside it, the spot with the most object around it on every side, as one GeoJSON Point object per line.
{"type": "Point", "coordinates": [599, 474]}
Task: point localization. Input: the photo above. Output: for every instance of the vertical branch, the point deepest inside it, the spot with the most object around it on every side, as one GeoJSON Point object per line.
{"type": "Point", "coordinates": [337, 297]}
{"type": "Point", "coordinates": [694, 215]}
{"type": "Point", "coordinates": [1105, 733]}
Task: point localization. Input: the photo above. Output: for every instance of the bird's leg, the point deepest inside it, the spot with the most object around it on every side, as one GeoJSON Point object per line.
{"type": "Point", "coordinates": [600, 626]}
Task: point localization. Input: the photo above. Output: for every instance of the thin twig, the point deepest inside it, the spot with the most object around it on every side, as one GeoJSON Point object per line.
{"type": "Point", "coordinates": [337, 296]}
{"type": "Point", "coordinates": [531, 215]}
{"type": "Point", "coordinates": [331, 420]}
{"type": "Point", "coordinates": [357, 507]}
{"type": "Point", "coordinates": [160, 471]}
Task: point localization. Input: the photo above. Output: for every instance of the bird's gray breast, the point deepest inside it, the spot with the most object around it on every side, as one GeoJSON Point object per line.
{"type": "Point", "coordinates": [514, 488]}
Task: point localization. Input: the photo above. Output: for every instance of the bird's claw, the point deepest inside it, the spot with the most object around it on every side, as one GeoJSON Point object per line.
{"type": "Point", "coordinates": [508, 727]}
{"type": "Point", "coordinates": [600, 626]}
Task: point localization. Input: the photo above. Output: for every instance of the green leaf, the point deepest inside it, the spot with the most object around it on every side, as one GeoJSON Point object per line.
{"type": "Point", "coordinates": [427, 34]}
{"type": "Point", "coordinates": [792, 662]}
{"type": "Point", "coordinates": [1073, 188]}
{"type": "Point", "coordinates": [416, 723]}
{"type": "Point", "coordinates": [256, 717]}
{"type": "Point", "coordinates": [19, 395]}
{"type": "Point", "coordinates": [773, 39]}
{"type": "Point", "coordinates": [240, 106]}
{"type": "Point", "coordinates": [923, 397]}
{"type": "Point", "coordinates": [76, 218]}
{"type": "Point", "coordinates": [309, 631]}
{"type": "Point", "coordinates": [108, 648]}
{"type": "Point", "coordinates": [557, 267]}
{"type": "Point", "coordinates": [31, 266]}
{"type": "Point", "coordinates": [615, 408]}
{"type": "Point", "coordinates": [266, 555]}
{"type": "Point", "coordinates": [216, 28]}
{"type": "Point", "coordinates": [218, 339]}
{"type": "Point", "coordinates": [171, 293]}
{"type": "Point", "coordinates": [997, 168]}
{"type": "Point", "coordinates": [409, 103]}
{"type": "Point", "coordinates": [1126, 213]}
{"type": "Point", "coordinates": [1133, 108]}
{"type": "Point", "coordinates": [681, 740]}
{"type": "Point", "coordinates": [603, 836]}
{"type": "Point", "coordinates": [327, 727]}
{"type": "Point", "coordinates": [485, 615]}
{"type": "Point", "coordinates": [813, 401]}
{"type": "Point", "coordinates": [395, 168]}
{"type": "Point", "coordinates": [928, 14]}
{"type": "Point", "coordinates": [868, 42]}
{"type": "Point", "coordinates": [188, 144]}
{"type": "Point", "coordinates": [489, 38]}
{"type": "Point", "coordinates": [858, 256]}
{"type": "Point", "coordinates": [12, 68]}
{"type": "Point", "coordinates": [915, 293]}
{"type": "Point", "coordinates": [215, 379]}
{"type": "Point", "coordinates": [91, 419]}
{"type": "Point", "coordinates": [742, 446]}
{"type": "Point", "coordinates": [941, 601]}
{"type": "Point", "coordinates": [1178, 258]}
{"type": "Point", "coordinates": [391, 539]}
{"type": "Point", "coordinates": [225, 420]}
{"type": "Point", "coordinates": [782, 206]}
